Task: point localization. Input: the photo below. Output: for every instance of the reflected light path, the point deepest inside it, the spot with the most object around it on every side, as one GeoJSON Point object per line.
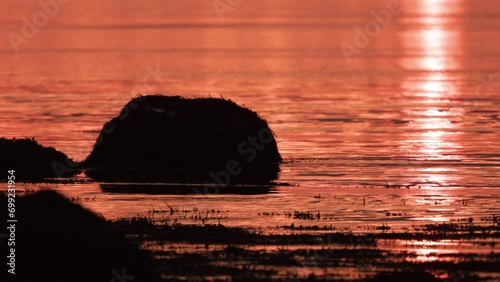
{"type": "Point", "coordinates": [433, 89]}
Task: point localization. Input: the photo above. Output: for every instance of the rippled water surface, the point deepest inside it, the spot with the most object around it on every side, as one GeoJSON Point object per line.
{"type": "Point", "coordinates": [415, 108]}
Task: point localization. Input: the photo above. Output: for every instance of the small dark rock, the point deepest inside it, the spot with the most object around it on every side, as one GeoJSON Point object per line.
{"type": "Point", "coordinates": [31, 160]}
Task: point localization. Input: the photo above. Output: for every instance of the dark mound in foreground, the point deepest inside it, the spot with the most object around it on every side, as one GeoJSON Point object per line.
{"type": "Point", "coordinates": [57, 240]}
{"type": "Point", "coordinates": [29, 159]}
{"type": "Point", "coordinates": [205, 139]}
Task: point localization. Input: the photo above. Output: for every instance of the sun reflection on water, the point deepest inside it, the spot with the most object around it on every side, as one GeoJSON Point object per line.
{"type": "Point", "coordinates": [434, 114]}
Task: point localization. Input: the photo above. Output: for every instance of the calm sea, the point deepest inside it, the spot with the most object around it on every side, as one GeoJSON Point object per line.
{"type": "Point", "coordinates": [361, 94]}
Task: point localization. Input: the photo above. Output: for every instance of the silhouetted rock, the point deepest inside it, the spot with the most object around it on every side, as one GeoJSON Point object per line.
{"type": "Point", "coordinates": [406, 276]}
{"type": "Point", "coordinates": [57, 240]}
{"type": "Point", "coordinates": [29, 159]}
{"type": "Point", "coordinates": [188, 140]}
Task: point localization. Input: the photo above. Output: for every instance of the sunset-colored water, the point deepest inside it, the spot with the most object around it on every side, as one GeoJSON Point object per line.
{"type": "Point", "coordinates": [413, 102]}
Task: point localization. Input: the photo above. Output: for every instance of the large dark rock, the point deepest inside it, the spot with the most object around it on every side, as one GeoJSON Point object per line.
{"type": "Point", "coordinates": [187, 140]}
{"type": "Point", "coordinates": [30, 160]}
{"type": "Point", "coordinates": [56, 240]}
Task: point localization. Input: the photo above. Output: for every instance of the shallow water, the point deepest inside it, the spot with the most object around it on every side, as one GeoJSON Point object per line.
{"type": "Point", "coordinates": [417, 106]}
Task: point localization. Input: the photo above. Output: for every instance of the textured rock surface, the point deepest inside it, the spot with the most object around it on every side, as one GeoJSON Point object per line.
{"type": "Point", "coordinates": [205, 139]}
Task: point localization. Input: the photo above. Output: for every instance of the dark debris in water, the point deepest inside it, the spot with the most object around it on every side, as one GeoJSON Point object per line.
{"type": "Point", "coordinates": [31, 160]}
{"type": "Point", "coordinates": [238, 254]}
